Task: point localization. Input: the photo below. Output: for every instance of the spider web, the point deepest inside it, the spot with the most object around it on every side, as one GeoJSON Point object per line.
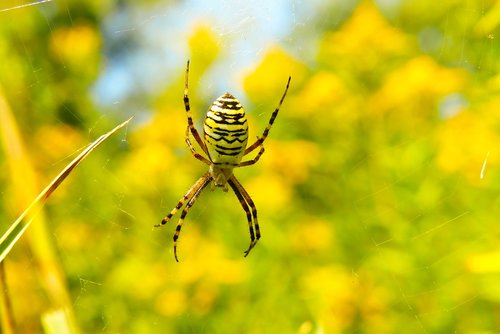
{"type": "Point", "coordinates": [146, 49]}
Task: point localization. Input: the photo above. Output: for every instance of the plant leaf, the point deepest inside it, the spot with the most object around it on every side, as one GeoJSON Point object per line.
{"type": "Point", "coordinates": [18, 227]}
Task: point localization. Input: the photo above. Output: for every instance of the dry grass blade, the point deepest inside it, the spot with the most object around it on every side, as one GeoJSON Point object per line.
{"type": "Point", "coordinates": [17, 228]}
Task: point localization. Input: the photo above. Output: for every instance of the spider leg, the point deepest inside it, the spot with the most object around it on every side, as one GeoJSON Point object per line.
{"type": "Point", "coordinates": [254, 160]}
{"type": "Point", "coordinates": [203, 182]}
{"type": "Point", "coordinates": [245, 207]}
{"type": "Point", "coordinates": [191, 127]}
{"type": "Point", "coordinates": [193, 150]}
{"type": "Point", "coordinates": [184, 198]}
{"type": "Point", "coordinates": [271, 121]}
{"type": "Point", "coordinates": [246, 202]}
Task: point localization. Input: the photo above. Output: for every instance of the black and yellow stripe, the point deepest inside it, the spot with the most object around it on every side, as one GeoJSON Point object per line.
{"type": "Point", "coordinates": [226, 131]}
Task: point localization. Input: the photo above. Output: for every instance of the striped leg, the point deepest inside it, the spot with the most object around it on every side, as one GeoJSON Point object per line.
{"type": "Point", "coordinates": [193, 150]}
{"type": "Point", "coordinates": [271, 121]}
{"type": "Point", "coordinates": [205, 181]}
{"type": "Point", "coordinates": [245, 207]}
{"type": "Point", "coordinates": [184, 198]}
{"type": "Point", "coordinates": [254, 160]}
{"type": "Point", "coordinates": [247, 201]}
{"type": "Point", "coordinates": [193, 130]}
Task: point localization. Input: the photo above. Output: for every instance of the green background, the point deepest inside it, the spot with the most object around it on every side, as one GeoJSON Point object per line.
{"type": "Point", "coordinates": [378, 193]}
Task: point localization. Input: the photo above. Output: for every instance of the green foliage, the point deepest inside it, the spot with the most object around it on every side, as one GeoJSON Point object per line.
{"type": "Point", "coordinates": [377, 194]}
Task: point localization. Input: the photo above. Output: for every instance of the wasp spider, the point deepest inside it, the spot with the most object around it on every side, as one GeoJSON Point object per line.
{"type": "Point", "coordinates": [225, 136]}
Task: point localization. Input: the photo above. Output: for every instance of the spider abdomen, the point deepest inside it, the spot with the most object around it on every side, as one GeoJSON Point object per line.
{"type": "Point", "coordinates": [226, 131]}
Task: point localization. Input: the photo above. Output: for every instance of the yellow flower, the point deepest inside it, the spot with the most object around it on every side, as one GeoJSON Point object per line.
{"type": "Point", "coordinates": [415, 82]}
{"type": "Point", "coordinates": [484, 263]}
{"type": "Point", "coordinates": [464, 142]}
{"type": "Point", "coordinates": [320, 93]}
{"type": "Point", "coordinates": [292, 160]}
{"type": "Point", "coordinates": [75, 44]}
{"type": "Point", "coordinates": [364, 39]}
{"type": "Point", "coordinates": [267, 82]}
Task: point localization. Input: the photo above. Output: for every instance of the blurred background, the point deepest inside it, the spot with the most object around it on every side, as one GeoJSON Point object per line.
{"type": "Point", "coordinates": [378, 193]}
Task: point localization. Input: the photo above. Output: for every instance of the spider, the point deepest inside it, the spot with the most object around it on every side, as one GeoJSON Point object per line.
{"type": "Point", "coordinates": [225, 136]}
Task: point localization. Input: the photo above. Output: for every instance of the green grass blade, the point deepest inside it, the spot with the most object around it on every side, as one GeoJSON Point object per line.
{"type": "Point", "coordinates": [17, 228]}
{"type": "Point", "coordinates": [56, 322]}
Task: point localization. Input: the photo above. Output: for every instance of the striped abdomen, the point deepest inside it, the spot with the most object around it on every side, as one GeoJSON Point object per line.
{"type": "Point", "coordinates": [226, 131]}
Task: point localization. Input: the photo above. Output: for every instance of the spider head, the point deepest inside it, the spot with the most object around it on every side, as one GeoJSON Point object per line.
{"type": "Point", "coordinates": [220, 175]}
